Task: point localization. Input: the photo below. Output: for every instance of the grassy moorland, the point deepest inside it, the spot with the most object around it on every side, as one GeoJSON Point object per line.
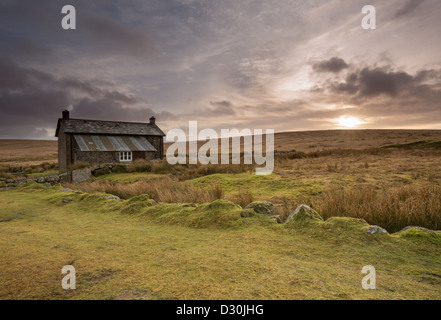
{"type": "Point", "coordinates": [187, 239]}
{"type": "Point", "coordinates": [131, 249]}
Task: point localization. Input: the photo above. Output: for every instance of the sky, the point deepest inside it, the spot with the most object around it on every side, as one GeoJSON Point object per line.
{"type": "Point", "coordinates": [286, 65]}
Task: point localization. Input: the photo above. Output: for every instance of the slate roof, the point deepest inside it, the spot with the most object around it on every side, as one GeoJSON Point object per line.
{"type": "Point", "coordinates": [82, 126]}
{"type": "Point", "coordinates": [112, 143]}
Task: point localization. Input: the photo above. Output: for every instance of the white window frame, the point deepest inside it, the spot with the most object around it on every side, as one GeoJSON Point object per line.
{"type": "Point", "coordinates": [125, 156]}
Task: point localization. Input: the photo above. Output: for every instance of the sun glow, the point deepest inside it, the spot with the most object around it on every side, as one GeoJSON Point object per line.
{"type": "Point", "coordinates": [349, 122]}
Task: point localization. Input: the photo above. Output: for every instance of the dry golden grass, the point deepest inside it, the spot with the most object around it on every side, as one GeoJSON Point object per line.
{"type": "Point", "coordinates": [391, 207]}
{"type": "Point", "coordinates": [161, 189]}
{"type": "Point", "coordinates": [31, 152]}
{"type": "Point", "coordinates": [187, 171]}
{"type": "Point", "coordinates": [27, 152]}
{"type": "Point", "coordinates": [307, 141]}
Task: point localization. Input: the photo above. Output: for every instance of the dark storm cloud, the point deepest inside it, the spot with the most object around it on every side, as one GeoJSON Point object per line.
{"type": "Point", "coordinates": [334, 65]}
{"type": "Point", "coordinates": [32, 98]}
{"type": "Point", "coordinates": [408, 8]}
{"type": "Point", "coordinates": [95, 32]}
{"type": "Point", "coordinates": [371, 82]}
{"type": "Point", "coordinates": [111, 109]}
{"type": "Point", "coordinates": [385, 93]}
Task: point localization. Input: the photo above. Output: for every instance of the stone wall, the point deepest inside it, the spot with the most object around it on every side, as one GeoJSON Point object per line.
{"type": "Point", "coordinates": [74, 176]}
{"type": "Point", "coordinates": [80, 175]}
{"type": "Point", "coordinates": [158, 143]}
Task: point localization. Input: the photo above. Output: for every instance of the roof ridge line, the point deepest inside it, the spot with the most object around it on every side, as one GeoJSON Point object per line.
{"type": "Point", "coordinates": [110, 121]}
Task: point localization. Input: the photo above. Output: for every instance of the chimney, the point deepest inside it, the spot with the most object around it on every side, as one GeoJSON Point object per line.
{"type": "Point", "coordinates": [152, 120]}
{"type": "Point", "coordinates": [65, 115]}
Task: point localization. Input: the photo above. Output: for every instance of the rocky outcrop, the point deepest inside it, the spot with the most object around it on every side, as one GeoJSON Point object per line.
{"type": "Point", "coordinates": [376, 230]}
{"type": "Point", "coordinates": [304, 212]}
{"type": "Point", "coordinates": [421, 229]}
{"type": "Point", "coordinates": [262, 207]}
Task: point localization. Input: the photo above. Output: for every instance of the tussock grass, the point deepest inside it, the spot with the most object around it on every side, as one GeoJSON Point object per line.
{"type": "Point", "coordinates": [390, 207]}
{"type": "Point", "coordinates": [242, 198]}
{"type": "Point", "coordinates": [186, 171]}
{"type": "Point", "coordinates": [161, 189]}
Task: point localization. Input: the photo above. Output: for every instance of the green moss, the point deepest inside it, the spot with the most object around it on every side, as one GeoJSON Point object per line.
{"type": "Point", "coordinates": [32, 186]}
{"type": "Point", "coordinates": [129, 177]}
{"type": "Point", "coordinates": [304, 212]}
{"type": "Point", "coordinates": [140, 198]}
{"type": "Point", "coordinates": [247, 213]}
{"type": "Point", "coordinates": [263, 187]}
{"type": "Point", "coordinates": [347, 222]}
{"type": "Point", "coordinates": [217, 214]}
{"type": "Point", "coordinates": [137, 204]}
{"type": "Point", "coordinates": [419, 233]}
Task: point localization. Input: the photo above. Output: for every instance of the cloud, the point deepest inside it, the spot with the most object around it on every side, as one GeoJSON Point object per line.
{"type": "Point", "coordinates": [241, 63]}
{"type": "Point", "coordinates": [408, 8]}
{"type": "Point", "coordinates": [334, 65]}
{"type": "Point", "coordinates": [111, 109]}
{"type": "Point", "coordinates": [386, 96]}
{"type": "Point", "coordinates": [371, 82]}
{"type": "Point", "coordinates": [32, 98]}
{"type": "Point", "coordinates": [96, 32]}
{"type": "Point", "coordinates": [109, 36]}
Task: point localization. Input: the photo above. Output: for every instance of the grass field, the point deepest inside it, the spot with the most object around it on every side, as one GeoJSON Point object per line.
{"type": "Point", "coordinates": [154, 254]}
{"type": "Point", "coordinates": [193, 244]}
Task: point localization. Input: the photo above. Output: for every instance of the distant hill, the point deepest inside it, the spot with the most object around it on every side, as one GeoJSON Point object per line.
{"type": "Point", "coordinates": [27, 152]}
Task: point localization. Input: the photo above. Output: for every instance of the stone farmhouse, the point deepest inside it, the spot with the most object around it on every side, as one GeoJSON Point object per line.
{"type": "Point", "coordinates": [97, 142]}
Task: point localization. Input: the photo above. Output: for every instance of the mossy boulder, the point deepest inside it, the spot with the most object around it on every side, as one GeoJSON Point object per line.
{"type": "Point", "coordinates": [420, 233]}
{"type": "Point", "coordinates": [111, 197]}
{"type": "Point", "coordinates": [119, 168]}
{"type": "Point", "coordinates": [247, 213]}
{"type": "Point", "coordinates": [304, 212]}
{"type": "Point", "coordinates": [137, 204]}
{"type": "Point", "coordinates": [424, 230]}
{"type": "Point", "coordinates": [347, 222]}
{"type": "Point", "coordinates": [101, 171]}
{"type": "Point", "coordinates": [217, 214]}
{"type": "Point", "coordinates": [261, 207]}
{"type": "Point", "coordinates": [222, 205]}
{"type": "Point", "coordinates": [67, 199]}
{"type": "Point", "coordinates": [341, 226]}
{"type": "Point", "coordinates": [376, 230]}
{"type": "Point", "coordinates": [141, 198]}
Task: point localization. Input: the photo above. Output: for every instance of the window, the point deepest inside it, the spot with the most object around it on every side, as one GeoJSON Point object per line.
{"type": "Point", "coordinates": [125, 156]}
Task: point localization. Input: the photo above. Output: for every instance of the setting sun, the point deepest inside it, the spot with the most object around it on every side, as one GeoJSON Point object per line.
{"type": "Point", "coordinates": [349, 122]}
